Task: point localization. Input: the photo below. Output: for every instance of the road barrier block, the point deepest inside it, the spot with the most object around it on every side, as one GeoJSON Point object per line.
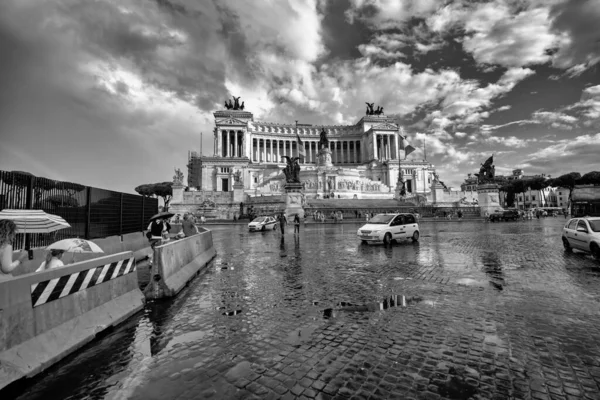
{"type": "Point", "coordinates": [177, 262]}
{"type": "Point", "coordinates": [47, 315]}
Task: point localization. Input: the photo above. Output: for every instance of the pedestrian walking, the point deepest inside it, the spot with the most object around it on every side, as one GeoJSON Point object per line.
{"type": "Point", "coordinates": [282, 222]}
{"type": "Point", "coordinates": [460, 215]}
{"type": "Point", "coordinates": [297, 224]}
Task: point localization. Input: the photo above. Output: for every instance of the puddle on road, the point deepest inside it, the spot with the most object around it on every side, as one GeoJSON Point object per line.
{"type": "Point", "coordinates": [232, 313]}
{"type": "Point", "coordinates": [187, 337]}
{"type": "Point", "coordinates": [456, 388]}
{"type": "Point", "coordinates": [300, 335]}
{"type": "Point", "coordinates": [390, 302]}
{"type": "Point", "coordinates": [241, 370]}
{"type": "Point", "coordinates": [480, 283]}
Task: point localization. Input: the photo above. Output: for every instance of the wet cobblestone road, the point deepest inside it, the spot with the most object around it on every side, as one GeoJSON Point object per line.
{"type": "Point", "coordinates": [474, 310]}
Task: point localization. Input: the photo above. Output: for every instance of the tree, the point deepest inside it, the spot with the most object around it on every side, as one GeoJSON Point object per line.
{"type": "Point", "coordinates": [539, 183]}
{"type": "Point", "coordinates": [591, 178]}
{"type": "Point", "coordinates": [146, 190]}
{"type": "Point", "coordinates": [17, 182]}
{"type": "Point", "coordinates": [518, 186]}
{"type": "Point", "coordinates": [567, 181]}
{"type": "Point", "coordinates": [70, 187]}
{"type": "Point", "coordinates": [61, 200]}
{"type": "Point", "coordinates": [505, 186]}
{"type": "Point", "coordinates": [162, 189]}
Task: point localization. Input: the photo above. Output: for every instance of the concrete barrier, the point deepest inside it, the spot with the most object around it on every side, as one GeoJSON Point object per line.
{"type": "Point", "coordinates": [177, 262]}
{"type": "Point", "coordinates": [110, 245]}
{"type": "Point", "coordinates": [137, 243]}
{"type": "Point", "coordinates": [47, 315]}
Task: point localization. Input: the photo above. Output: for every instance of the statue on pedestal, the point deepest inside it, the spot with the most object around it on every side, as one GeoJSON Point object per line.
{"type": "Point", "coordinates": [178, 177]}
{"type": "Point", "coordinates": [323, 141]}
{"type": "Point", "coordinates": [292, 169]}
{"type": "Point", "coordinates": [236, 105]}
{"type": "Point", "coordinates": [487, 172]}
{"type": "Point", "coordinates": [237, 176]}
{"type": "Point", "coordinates": [371, 111]}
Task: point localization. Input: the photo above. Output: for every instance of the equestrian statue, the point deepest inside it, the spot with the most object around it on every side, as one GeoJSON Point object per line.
{"type": "Point", "coordinates": [292, 169]}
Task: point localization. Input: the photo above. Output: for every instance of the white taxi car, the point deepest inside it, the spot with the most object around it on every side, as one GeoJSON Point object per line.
{"type": "Point", "coordinates": [389, 227]}
{"type": "Point", "coordinates": [582, 234]}
{"type": "Point", "coordinates": [262, 224]}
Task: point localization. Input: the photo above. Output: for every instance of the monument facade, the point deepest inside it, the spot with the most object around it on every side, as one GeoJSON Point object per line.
{"type": "Point", "coordinates": [346, 161]}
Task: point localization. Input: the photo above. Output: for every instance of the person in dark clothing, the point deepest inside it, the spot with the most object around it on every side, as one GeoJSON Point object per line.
{"type": "Point", "coordinates": [159, 230]}
{"type": "Point", "coordinates": [282, 222]}
{"type": "Point", "coordinates": [297, 224]}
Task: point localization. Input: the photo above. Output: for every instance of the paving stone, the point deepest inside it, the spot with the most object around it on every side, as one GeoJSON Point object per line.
{"type": "Point", "coordinates": [535, 338]}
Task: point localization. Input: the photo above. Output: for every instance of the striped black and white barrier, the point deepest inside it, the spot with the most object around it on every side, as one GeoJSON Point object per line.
{"type": "Point", "coordinates": [47, 291]}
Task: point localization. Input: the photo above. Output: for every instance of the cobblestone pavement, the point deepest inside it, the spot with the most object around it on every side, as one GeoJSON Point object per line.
{"type": "Point", "coordinates": [474, 310]}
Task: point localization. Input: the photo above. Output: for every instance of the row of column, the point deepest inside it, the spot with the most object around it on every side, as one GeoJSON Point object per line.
{"type": "Point", "coordinates": [230, 144]}
{"type": "Point", "coordinates": [385, 147]}
{"type": "Point", "coordinates": [271, 150]}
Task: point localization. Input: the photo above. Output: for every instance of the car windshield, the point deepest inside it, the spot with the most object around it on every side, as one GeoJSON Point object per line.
{"type": "Point", "coordinates": [594, 224]}
{"type": "Point", "coordinates": [259, 219]}
{"type": "Point", "coordinates": [381, 219]}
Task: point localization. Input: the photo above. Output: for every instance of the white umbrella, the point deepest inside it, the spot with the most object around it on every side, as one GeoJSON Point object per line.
{"type": "Point", "coordinates": [34, 221]}
{"type": "Point", "coordinates": [75, 245]}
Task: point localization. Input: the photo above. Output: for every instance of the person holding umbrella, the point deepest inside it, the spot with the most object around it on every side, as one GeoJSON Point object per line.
{"type": "Point", "coordinates": [8, 231]}
{"type": "Point", "coordinates": [159, 228]}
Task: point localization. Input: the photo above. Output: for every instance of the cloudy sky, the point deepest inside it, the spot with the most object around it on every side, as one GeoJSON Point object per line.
{"type": "Point", "coordinates": [114, 93]}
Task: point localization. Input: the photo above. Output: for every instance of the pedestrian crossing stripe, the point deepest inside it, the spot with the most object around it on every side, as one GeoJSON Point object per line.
{"type": "Point", "coordinates": [47, 291]}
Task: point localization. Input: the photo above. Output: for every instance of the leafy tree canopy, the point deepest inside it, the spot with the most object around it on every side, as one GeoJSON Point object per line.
{"type": "Point", "coordinates": [591, 178]}
{"type": "Point", "coordinates": [161, 189]}
{"type": "Point", "coordinates": [567, 180]}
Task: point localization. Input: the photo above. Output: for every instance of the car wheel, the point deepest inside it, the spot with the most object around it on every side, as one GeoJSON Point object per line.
{"type": "Point", "coordinates": [567, 246]}
{"type": "Point", "coordinates": [363, 242]}
{"type": "Point", "coordinates": [387, 239]}
{"type": "Point", "coordinates": [274, 227]}
{"type": "Point", "coordinates": [595, 250]}
{"type": "Point", "coordinates": [415, 236]}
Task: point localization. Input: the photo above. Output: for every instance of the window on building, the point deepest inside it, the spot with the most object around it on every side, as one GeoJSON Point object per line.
{"type": "Point", "coordinates": [225, 170]}
{"type": "Point", "coordinates": [559, 192]}
{"type": "Point", "coordinates": [255, 179]}
{"type": "Point", "coordinates": [561, 204]}
{"type": "Point", "coordinates": [533, 198]}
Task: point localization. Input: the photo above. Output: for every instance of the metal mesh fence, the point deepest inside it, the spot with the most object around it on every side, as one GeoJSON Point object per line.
{"type": "Point", "coordinates": [91, 212]}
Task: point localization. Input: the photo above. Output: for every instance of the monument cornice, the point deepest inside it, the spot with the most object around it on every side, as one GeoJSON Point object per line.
{"type": "Point", "coordinates": [233, 114]}
{"type": "Point", "coordinates": [231, 122]}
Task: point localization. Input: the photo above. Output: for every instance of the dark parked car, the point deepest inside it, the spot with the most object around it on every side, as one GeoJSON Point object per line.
{"type": "Point", "coordinates": [506, 215]}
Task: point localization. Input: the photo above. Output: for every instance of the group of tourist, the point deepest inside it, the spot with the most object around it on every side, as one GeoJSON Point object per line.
{"type": "Point", "coordinates": [8, 233]}
{"type": "Point", "coordinates": [158, 233]}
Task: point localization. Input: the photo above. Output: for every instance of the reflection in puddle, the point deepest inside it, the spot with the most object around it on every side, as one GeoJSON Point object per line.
{"type": "Point", "coordinates": [187, 337]}
{"type": "Point", "coordinates": [389, 302]}
{"type": "Point", "coordinates": [232, 313]}
{"type": "Point", "coordinates": [300, 335]}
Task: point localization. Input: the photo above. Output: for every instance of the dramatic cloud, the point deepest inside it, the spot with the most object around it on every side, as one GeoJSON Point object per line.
{"type": "Point", "coordinates": [580, 153]}
{"type": "Point", "coordinates": [137, 82]}
{"type": "Point", "coordinates": [578, 20]}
